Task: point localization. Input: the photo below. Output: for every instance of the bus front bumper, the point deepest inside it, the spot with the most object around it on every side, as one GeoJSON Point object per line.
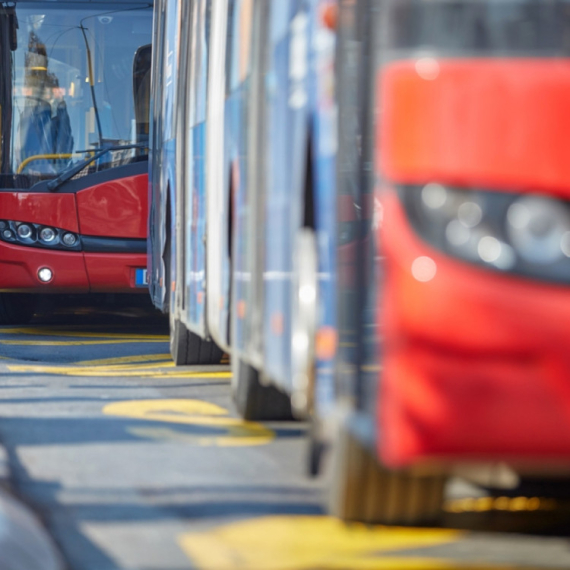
{"type": "Point", "coordinates": [72, 272]}
{"type": "Point", "coordinates": [476, 363]}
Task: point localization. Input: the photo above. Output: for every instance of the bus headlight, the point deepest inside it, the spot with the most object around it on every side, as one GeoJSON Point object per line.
{"type": "Point", "coordinates": [536, 228]}
{"type": "Point", "coordinates": [35, 235]}
{"type": "Point", "coordinates": [25, 231]}
{"type": "Point", "coordinates": [527, 235]}
{"type": "Point", "coordinates": [47, 235]}
{"type": "Point", "coordinates": [69, 239]}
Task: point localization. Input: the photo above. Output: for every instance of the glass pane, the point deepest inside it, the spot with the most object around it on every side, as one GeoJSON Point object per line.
{"type": "Point", "coordinates": [70, 72]}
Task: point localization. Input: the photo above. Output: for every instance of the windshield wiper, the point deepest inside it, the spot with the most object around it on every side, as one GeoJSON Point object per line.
{"type": "Point", "coordinates": [54, 184]}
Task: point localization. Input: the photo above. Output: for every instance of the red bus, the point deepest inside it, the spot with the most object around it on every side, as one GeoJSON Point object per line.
{"type": "Point", "coordinates": [74, 100]}
{"type": "Point", "coordinates": [470, 374]}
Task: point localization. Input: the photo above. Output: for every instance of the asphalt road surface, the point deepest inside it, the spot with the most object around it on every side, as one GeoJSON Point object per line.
{"type": "Point", "coordinates": [132, 463]}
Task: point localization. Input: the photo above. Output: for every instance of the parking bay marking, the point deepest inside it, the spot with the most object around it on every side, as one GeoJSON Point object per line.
{"type": "Point", "coordinates": [151, 371]}
{"type": "Point", "coordinates": [39, 331]}
{"type": "Point", "coordinates": [140, 358]}
{"type": "Point", "coordinates": [198, 413]}
{"type": "Point", "coordinates": [75, 342]}
{"type": "Point", "coordinates": [309, 542]}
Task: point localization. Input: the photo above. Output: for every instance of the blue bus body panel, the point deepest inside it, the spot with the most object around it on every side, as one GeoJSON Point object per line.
{"type": "Point", "coordinates": [287, 137]}
{"type": "Point", "coordinates": [164, 158]}
{"type": "Point", "coordinates": [196, 230]}
{"type": "Point", "coordinates": [324, 125]}
{"type": "Point", "coordinates": [237, 106]}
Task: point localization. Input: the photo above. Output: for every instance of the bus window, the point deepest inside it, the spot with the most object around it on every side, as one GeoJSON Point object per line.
{"type": "Point", "coordinates": [141, 89]}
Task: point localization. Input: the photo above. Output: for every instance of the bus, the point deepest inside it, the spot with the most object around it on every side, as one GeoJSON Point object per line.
{"type": "Point", "coordinates": [461, 359]}
{"type": "Point", "coordinates": [283, 262]}
{"type": "Point", "coordinates": [244, 191]}
{"type": "Point", "coordinates": [74, 127]}
{"type": "Point", "coordinates": [177, 177]}
{"type": "Point", "coordinates": [213, 65]}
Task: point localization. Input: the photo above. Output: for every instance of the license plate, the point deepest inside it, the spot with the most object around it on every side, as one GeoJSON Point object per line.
{"type": "Point", "coordinates": [141, 278]}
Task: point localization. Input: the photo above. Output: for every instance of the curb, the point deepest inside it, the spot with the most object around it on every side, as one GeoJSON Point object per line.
{"type": "Point", "coordinates": [24, 543]}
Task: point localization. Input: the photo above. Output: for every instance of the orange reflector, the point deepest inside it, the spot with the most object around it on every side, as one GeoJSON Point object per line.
{"type": "Point", "coordinates": [329, 16]}
{"type": "Point", "coordinates": [277, 324]}
{"type": "Point", "coordinates": [326, 343]}
{"type": "Point", "coordinates": [241, 309]}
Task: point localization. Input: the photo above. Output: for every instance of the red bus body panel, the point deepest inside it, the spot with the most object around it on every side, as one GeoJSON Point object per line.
{"type": "Point", "coordinates": [500, 124]}
{"type": "Point", "coordinates": [118, 208]}
{"type": "Point", "coordinates": [115, 209]}
{"type": "Point", "coordinates": [19, 268]}
{"type": "Point", "coordinates": [113, 271]}
{"type": "Point", "coordinates": [50, 209]}
{"type": "Point", "coordinates": [476, 363]}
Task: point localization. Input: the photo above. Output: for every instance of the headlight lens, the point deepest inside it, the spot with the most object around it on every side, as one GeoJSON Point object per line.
{"type": "Point", "coordinates": [24, 231]}
{"type": "Point", "coordinates": [536, 228]}
{"type": "Point", "coordinates": [69, 239]}
{"type": "Point", "coordinates": [47, 234]}
{"type": "Point", "coordinates": [527, 235]}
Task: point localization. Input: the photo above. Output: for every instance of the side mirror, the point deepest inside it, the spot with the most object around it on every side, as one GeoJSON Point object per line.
{"type": "Point", "coordinates": [141, 91]}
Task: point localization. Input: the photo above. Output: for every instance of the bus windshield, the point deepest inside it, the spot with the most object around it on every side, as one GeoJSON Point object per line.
{"type": "Point", "coordinates": [68, 87]}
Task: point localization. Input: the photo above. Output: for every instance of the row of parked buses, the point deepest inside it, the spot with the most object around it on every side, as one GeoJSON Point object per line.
{"type": "Point", "coordinates": [363, 202]}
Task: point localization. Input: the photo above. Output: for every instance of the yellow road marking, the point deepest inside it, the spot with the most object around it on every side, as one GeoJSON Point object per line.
{"type": "Point", "coordinates": [305, 542]}
{"type": "Point", "coordinates": [125, 360]}
{"type": "Point", "coordinates": [197, 413]}
{"type": "Point", "coordinates": [513, 504]}
{"type": "Point", "coordinates": [74, 342]}
{"type": "Point", "coordinates": [112, 371]}
{"type": "Point", "coordinates": [38, 331]}
{"type": "Point", "coordinates": [311, 542]}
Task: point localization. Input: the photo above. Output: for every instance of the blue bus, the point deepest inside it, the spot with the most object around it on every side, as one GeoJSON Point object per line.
{"type": "Point", "coordinates": [242, 193]}
{"type": "Point", "coordinates": [177, 217]}
{"type": "Point", "coordinates": [284, 334]}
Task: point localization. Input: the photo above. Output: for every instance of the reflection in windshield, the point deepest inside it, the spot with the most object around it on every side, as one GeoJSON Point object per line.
{"type": "Point", "coordinates": [66, 86]}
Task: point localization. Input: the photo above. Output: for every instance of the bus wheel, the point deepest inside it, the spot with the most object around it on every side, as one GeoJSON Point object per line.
{"type": "Point", "coordinates": [257, 402]}
{"type": "Point", "coordinates": [189, 348]}
{"type": "Point", "coordinates": [16, 308]}
{"type": "Point", "coordinates": [362, 490]}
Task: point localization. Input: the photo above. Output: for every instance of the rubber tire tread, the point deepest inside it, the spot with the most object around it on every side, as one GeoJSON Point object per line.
{"type": "Point", "coordinates": [187, 348]}
{"type": "Point", "coordinates": [256, 402]}
{"type": "Point", "coordinates": [16, 309]}
{"type": "Point", "coordinates": [364, 491]}
{"type": "Point", "coordinates": [201, 351]}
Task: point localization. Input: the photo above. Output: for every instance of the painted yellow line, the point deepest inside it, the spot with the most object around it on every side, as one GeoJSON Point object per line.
{"type": "Point", "coordinates": [134, 367]}
{"type": "Point", "coordinates": [125, 360]}
{"type": "Point", "coordinates": [74, 342]}
{"type": "Point", "coordinates": [512, 504]}
{"type": "Point", "coordinates": [306, 543]}
{"type": "Point", "coordinates": [38, 331]}
{"type": "Point", "coordinates": [173, 409]}
{"type": "Point", "coordinates": [234, 437]}
{"type": "Point", "coordinates": [196, 413]}
{"type": "Point", "coordinates": [101, 371]}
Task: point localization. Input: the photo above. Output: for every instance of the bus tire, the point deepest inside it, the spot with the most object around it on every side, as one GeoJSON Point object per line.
{"type": "Point", "coordinates": [362, 490]}
{"type": "Point", "coordinates": [187, 347]}
{"type": "Point", "coordinates": [256, 402]}
{"type": "Point", "coordinates": [16, 308]}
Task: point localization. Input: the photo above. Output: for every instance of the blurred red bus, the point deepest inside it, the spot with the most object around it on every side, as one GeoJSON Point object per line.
{"type": "Point", "coordinates": [473, 223]}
